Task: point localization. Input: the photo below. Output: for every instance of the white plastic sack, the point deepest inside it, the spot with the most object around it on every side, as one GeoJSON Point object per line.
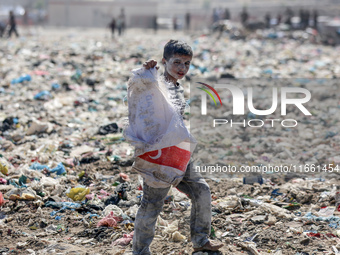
{"type": "Point", "coordinates": [163, 145]}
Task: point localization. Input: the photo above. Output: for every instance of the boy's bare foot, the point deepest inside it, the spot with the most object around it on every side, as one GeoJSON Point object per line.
{"type": "Point", "coordinates": [210, 246]}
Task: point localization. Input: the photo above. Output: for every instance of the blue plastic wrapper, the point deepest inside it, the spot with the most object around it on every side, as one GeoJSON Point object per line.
{"type": "Point", "coordinates": [37, 166]}
{"type": "Point", "coordinates": [55, 86]}
{"type": "Point", "coordinates": [59, 169]}
{"type": "Point", "coordinates": [43, 95]}
{"type": "Point", "coordinates": [334, 222]}
{"type": "Point", "coordinates": [21, 79]}
{"type": "Point", "coordinates": [94, 215]}
{"type": "Point", "coordinates": [65, 205]}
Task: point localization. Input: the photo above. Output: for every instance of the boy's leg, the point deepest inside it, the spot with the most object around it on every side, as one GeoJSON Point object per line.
{"type": "Point", "coordinates": [194, 185]}
{"type": "Point", "coordinates": [151, 206]}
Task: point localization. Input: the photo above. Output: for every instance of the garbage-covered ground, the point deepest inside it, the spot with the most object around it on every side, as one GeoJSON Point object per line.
{"type": "Point", "coordinates": [66, 182]}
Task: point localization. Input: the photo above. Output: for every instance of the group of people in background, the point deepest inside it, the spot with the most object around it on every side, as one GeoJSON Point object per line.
{"type": "Point", "coordinates": [175, 23]}
{"type": "Point", "coordinates": [187, 20]}
{"type": "Point", "coordinates": [306, 17]}
{"type": "Point", "coordinates": [119, 24]}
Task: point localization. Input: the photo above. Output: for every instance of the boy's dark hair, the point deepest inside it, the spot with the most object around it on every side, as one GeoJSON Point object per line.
{"type": "Point", "coordinates": [176, 47]}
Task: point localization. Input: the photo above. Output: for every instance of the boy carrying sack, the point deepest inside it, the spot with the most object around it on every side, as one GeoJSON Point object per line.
{"type": "Point", "coordinates": [163, 147]}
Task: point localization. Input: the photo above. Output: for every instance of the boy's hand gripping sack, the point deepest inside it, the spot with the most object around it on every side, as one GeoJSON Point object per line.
{"type": "Point", "coordinates": [163, 145]}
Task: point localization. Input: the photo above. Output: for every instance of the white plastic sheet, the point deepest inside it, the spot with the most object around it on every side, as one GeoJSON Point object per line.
{"type": "Point", "coordinates": [163, 144]}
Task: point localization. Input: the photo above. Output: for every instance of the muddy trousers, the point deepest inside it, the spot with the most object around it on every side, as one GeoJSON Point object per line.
{"type": "Point", "coordinates": [152, 203]}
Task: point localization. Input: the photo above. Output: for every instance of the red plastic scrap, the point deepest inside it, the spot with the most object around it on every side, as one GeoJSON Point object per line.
{"type": "Point", "coordinates": [125, 177]}
{"type": "Point", "coordinates": [125, 240]}
{"type": "Point", "coordinates": [314, 234]}
{"type": "Point", "coordinates": [104, 193]}
{"type": "Point", "coordinates": [109, 221]}
{"type": "Point", "coordinates": [2, 200]}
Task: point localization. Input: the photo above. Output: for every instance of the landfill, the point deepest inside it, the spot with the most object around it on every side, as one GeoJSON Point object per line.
{"type": "Point", "coordinates": [66, 182]}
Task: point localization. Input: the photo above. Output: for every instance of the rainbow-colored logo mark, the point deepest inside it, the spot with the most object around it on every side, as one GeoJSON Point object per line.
{"type": "Point", "coordinates": [209, 93]}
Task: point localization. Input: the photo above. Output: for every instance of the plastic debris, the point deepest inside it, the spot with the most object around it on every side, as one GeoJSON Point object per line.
{"type": "Point", "coordinates": [3, 166]}
{"type": "Point", "coordinates": [66, 205]}
{"type": "Point", "coordinates": [125, 240]}
{"type": "Point", "coordinates": [177, 237]}
{"type": "Point", "coordinates": [78, 193]}
{"type": "Point", "coordinates": [21, 79]}
{"type": "Point", "coordinates": [21, 194]}
{"type": "Point", "coordinates": [249, 247]}
{"type": "Point", "coordinates": [2, 200]}
{"type": "Point", "coordinates": [109, 221]}
{"type": "Point", "coordinates": [252, 180]}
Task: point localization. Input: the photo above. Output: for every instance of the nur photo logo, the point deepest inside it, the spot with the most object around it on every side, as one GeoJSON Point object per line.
{"type": "Point", "coordinates": [238, 99]}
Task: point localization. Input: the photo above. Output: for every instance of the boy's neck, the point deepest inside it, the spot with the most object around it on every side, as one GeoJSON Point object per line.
{"type": "Point", "coordinates": [168, 79]}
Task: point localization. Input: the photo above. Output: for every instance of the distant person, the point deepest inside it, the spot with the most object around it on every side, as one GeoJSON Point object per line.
{"type": "Point", "coordinates": [215, 15]}
{"type": "Point", "coordinates": [112, 27]}
{"type": "Point", "coordinates": [302, 18]}
{"type": "Point", "coordinates": [289, 15]}
{"type": "Point", "coordinates": [267, 19]}
{"type": "Point", "coordinates": [2, 28]}
{"type": "Point", "coordinates": [12, 25]}
{"type": "Point", "coordinates": [227, 14]}
{"type": "Point", "coordinates": [220, 13]}
{"type": "Point", "coordinates": [315, 19]}
{"type": "Point", "coordinates": [187, 20]}
{"type": "Point", "coordinates": [120, 26]}
{"type": "Point", "coordinates": [244, 17]}
{"type": "Point", "coordinates": [155, 23]}
{"type": "Point", "coordinates": [25, 18]}
{"type": "Point", "coordinates": [306, 20]}
{"type": "Point", "coordinates": [174, 23]}
{"type": "Point", "coordinates": [26, 21]}
{"type": "Point", "coordinates": [278, 19]}
{"type": "Point", "coordinates": [121, 22]}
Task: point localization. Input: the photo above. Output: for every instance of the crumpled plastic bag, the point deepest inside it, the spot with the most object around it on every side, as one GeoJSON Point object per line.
{"type": "Point", "coordinates": [114, 209]}
{"type": "Point", "coordinates": [78, 193]}
{"type": "Point", "coordinates": [3, 166]}
{"type": "Point", "coordinates": [132, 211]}
{"type": "Point", "coordinates": [109, 221]}
{"type": "Point", "coordinates": [59, 169]}
{"type": "Point", "coordinates": [125, 240]}
{"type": "Point", "coordinates": [125, 177]}
{"type": "Point", "coordinates": [65, 205]}
{"type": "Point", "coordinates": [170, 228]}
{"type": "Point", "coordinates": [38, 127]}
{"type": "Point", "coordinates": [177, 237]}
{"type": "Point", "coordinates": [21, 194]}
{"type": "Point", "coordinates": [163, 145]}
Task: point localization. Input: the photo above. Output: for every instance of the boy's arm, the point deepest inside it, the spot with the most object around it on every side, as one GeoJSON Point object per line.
{"type": "Point", "coordinates": [151, 63]}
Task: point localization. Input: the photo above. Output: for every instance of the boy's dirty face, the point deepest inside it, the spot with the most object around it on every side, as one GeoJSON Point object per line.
{"type": "Point", "coordinates": [176, 67]}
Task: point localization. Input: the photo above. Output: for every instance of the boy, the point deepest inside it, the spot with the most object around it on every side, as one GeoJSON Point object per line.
{"type": "Point", "coordinates": [176, 60]}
